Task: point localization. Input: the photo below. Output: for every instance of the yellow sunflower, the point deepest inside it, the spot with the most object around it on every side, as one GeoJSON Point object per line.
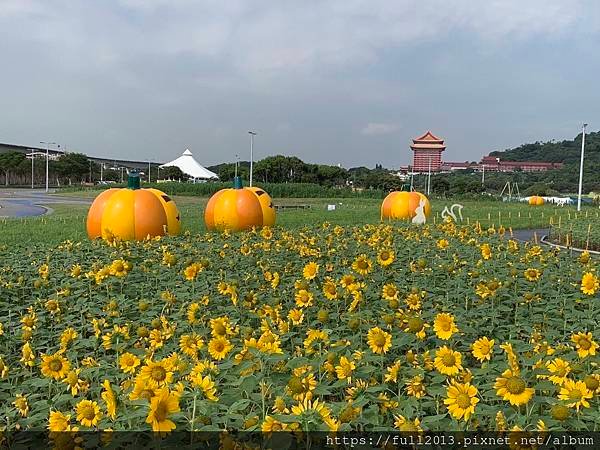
{"type": "Point", "coordinates": [362, 265]}
{"type": "Point", "coordinates": [57, 421]}
{"type": "Point", "coordinates": [330, 289]}
{"type": "Point", "coordinates": [304, 298]}
{"type": "Point", "coordinates": [310, 271]}
{"type": "Point", "coordinates": [128, 362]}
{"type": "Point", "coordinates": [585, 344]}
{"type": "Point", "coordinates": [55, 366]}
{"type": "Point", "coordinates": [88, 413]}
{"type": "Point", "coordinates": [444, 326]}
{"type": "Point", "coordinates": [344, 369]}
{"type": "Point", "coordinates": [483, 348]}
{"type": "Point", "coordinates": [142, 389]}
{"type": "Point", "coordinates": [379, 340]}
{"type": "Point", "coordinates": [592, 382]}
{"type": "Point", "coordinates": [386, 257]}
{"type": "Point", "coordinates": [157, 373]}
{"type": "Point", "coordinates": [22, 405]}
{"type": "Point", "coordinates": [406, 425]}
{"type": "Point", "coordinates": [575, 394]}
{"type": "Point", "coordinates": [219, 347]}
{"type": "Point", "coordinates": [447, 361]}
{"type": "Point", "coordinates": [532, 274]}
{"type": "Point", "coordinates": [559, 368]}
{"type": "Point", "coordinates": [389, 292]}
{"type": "Point", "coordinates": [109, 399]}
{"type": "Point", "coordinates": [207, 386]}
{"type": "Point", "coordinates": [589, 283]}
{"type": "Point", "coordinates": [272, 425]}
{"type": "Point", "coordinates": [513, 388]}
{"type": "Point", "coordinates": [392, 373]}
{"type": "Point", "coordinates": [415, 387]}
{"type": "Point", "coordinates": [486, 251]}
{"type": "Point", "coordinates": [161, 405]}
{"type": "Point", "coordinates": [461, 400]}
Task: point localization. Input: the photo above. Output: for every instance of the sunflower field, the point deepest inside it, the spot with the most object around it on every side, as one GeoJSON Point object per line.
{"type": "Point", "coordinates": [377, 327]}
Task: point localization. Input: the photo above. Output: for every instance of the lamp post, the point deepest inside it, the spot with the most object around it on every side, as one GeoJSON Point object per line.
{"type": "Point", "coordinates": [32, 152]}
{"type": "Point", "coordinates": [252, 134]}
{"type": "Point", "coordinates": [48, 144]}
{"type": "Point", "coordinates": [581, 167]}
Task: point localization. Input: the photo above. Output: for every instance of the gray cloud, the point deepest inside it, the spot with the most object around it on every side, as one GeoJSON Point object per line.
{"type": "Point", "coordinates": [148, 78]}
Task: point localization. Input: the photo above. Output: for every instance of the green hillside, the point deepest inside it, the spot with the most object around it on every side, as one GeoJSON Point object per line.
{"type": "Point", "coordinates": [567, 151]}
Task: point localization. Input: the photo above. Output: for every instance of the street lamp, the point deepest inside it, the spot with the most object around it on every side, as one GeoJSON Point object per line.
{"type": "Point", "coordinates": [581, 167]}
{"type": "Point", "coordinates": [48, 144]}
{"type": "Point", "coordinates": [252, 134]}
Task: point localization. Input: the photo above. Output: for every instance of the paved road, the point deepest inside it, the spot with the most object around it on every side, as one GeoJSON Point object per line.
{"type": "Point", "coordinates": [529, 235]}
{"type": "Point", "coordinates": [31, 202]}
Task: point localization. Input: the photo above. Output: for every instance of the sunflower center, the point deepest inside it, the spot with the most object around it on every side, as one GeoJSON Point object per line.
{"type": "Point", "coordinates": [55, 365]}
{"type": "Point", "coordinates": [159, 373]}
{"type": "Point", "coordinates": [88, 412]}
{"type": "Point", "coordinates": [463, 401]}
{"type": "Point", "coordinates": [295, 385]}
{"type": "Point", "coordinates": [219, 346]}
{"type": "Point", "coordinates": [584, 343]}
{"type": "Point", "coordinates": [385, 256]}
{"type": "Point", "coordinates": [147, 394]}
{"type": "Point", "coordinates": [269, 339]}
{"type": "Point", "coordinates": [276, 427]}
{"type": "Point", "coordinates": [161, 412]}
{"type": "Point", "coordinates": [561, 371]}
{"type": "Point", "coordinates": [445, 326]}
{"type": "Point", "coordinates": [515, 385]}
{"type": "Point", "coordinates": [449, 360]}
{"type": "Point", "coordinates": [591, 383]}
{"type": "Point", "coordinates": [219, 329]}
{"type": "Point", "coordinates": [415, 324]}
{"type": "Point", "coordinates": [362, 264]}
{"type": "Point", "coordinates": [379, 340]}
{"type": "Point", "coordinates": [575, 394]}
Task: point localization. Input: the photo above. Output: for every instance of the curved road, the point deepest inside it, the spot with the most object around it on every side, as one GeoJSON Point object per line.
{"type": "Point", "coordinates": [29, 203]}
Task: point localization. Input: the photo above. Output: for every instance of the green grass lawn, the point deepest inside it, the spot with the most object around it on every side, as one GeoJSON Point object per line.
{"type": "Point", "coordinates": [68, 221]}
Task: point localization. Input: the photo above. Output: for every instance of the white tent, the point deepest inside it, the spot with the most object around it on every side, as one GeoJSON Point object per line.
{"type": "Point", "coordinates": [191, 167]}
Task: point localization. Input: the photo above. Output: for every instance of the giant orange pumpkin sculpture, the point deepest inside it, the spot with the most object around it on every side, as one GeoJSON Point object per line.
{"type": "Point", "coordinates": [132, 213]}
{"type": "Point", "coordinates": [536, 200]}
{"type": "Point", "coordinates": [266, 203]}
{"type": "Point", "coordinates": [234, 209]}
{"type": "Point", "coordinates": [404, 205]}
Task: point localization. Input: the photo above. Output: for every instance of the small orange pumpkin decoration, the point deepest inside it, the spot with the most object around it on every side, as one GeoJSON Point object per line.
{"type": "Point", "coordinates": [233, 209]}
{"type": "Point", "coordinates": [131, 213]}
{"type": "Point", "coordinates": [403, 205]}
{"type": "Point", "coordinates": [266, 203]}
{"type": "Point", "coordinates": [536, 200]}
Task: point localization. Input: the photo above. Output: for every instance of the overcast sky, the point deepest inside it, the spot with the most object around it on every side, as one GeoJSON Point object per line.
{"type": "Point", "coordinates": [340, 81]}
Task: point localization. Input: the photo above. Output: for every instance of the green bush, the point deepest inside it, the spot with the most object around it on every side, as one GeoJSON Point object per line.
{"type": "Point", "coordinates": [276, 190]}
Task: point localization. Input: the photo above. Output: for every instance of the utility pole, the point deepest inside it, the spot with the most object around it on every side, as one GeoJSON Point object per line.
{"type": "Point", "coordinates": [483, 175]}
{"type": "Point", "coordinates": [581, 167]}
{"type": "Point", "coordinates": [252, 134]}
{"type": "Point", "coordinates": [48, 144]}
{"type": "Point", "coordinates": [148, 171]}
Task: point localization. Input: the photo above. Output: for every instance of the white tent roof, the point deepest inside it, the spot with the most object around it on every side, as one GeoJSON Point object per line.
{"type": "Point", "coordinates": [190, 166]}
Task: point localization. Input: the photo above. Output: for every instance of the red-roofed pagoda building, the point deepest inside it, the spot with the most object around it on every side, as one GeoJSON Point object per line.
{"type": "Point", "coordinates": [427, 153]}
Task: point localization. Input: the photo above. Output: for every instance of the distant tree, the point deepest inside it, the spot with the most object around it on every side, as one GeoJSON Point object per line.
{"type": "Point", "coordinates": [10, 162]}
{"type": "Point", "coordinates": [74, 166]}
{"type": "Point", "coordinates": [172, 173]}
